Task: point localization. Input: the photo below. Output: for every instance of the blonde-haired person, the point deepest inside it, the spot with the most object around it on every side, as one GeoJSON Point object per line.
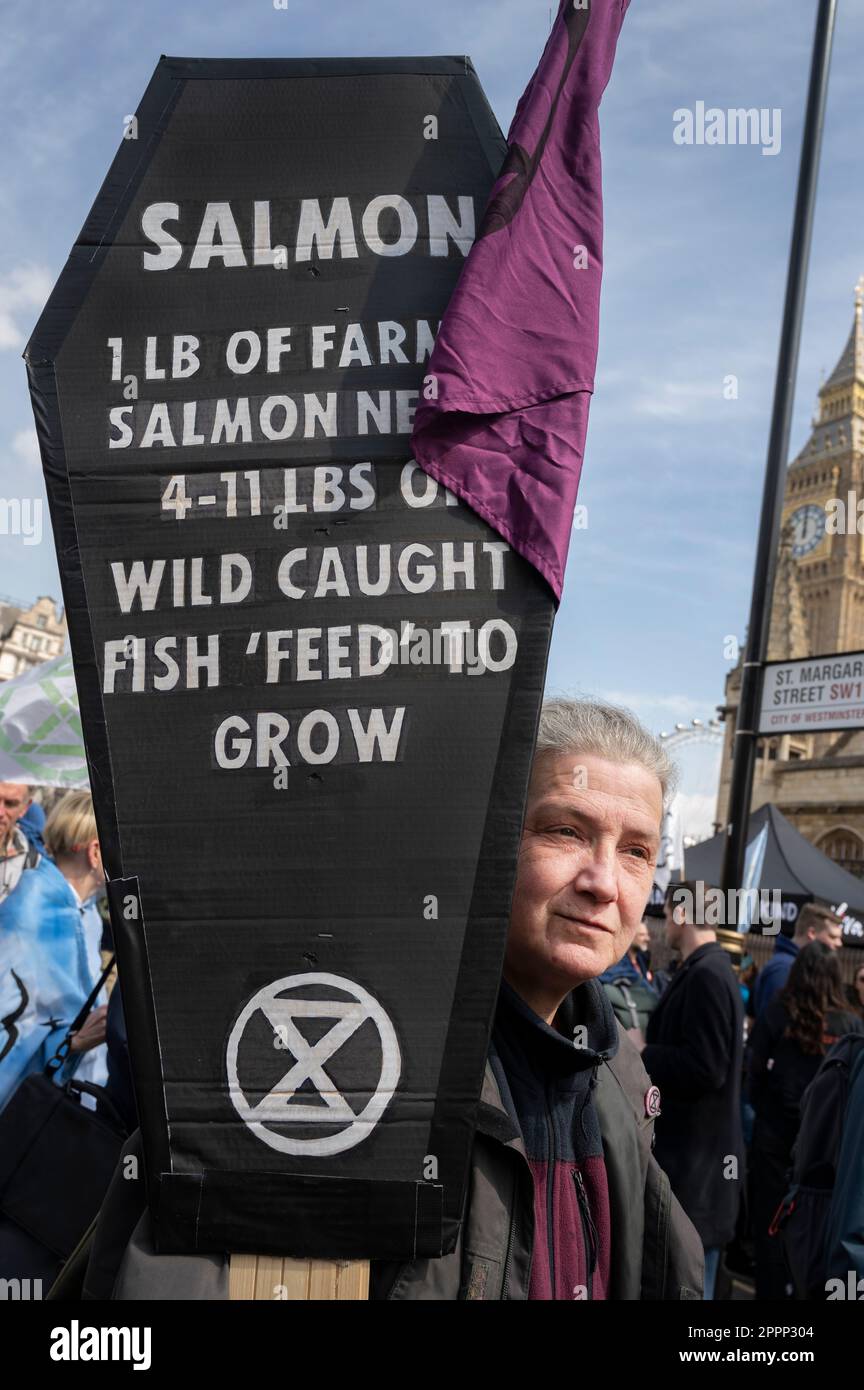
{"type": "Point", "coordinates": [50, 938]}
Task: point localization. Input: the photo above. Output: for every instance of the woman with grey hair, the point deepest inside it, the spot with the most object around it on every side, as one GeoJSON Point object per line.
{"type": "Point", "coordinates": [608, 731]}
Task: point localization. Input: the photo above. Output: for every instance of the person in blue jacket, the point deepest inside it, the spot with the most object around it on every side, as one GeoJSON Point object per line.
{"type": "Point", "coordinates": [50, 935]}
{"type": "Point", "coordinates": [33, 825]}
{"type": "Point", "coordinates": [629, 984]}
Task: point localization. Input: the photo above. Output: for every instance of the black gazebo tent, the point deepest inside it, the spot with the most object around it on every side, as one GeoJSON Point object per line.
{"type": "Point", "coordinates": [798, 869]}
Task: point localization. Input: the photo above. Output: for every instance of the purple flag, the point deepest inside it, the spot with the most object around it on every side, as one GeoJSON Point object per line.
{"type": "Point", "coordinates": [504, 410]}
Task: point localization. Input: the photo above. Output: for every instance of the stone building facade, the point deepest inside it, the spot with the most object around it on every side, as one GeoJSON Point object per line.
{"type": "Point", "coordinates": [817, 779]}
{"type": "Point", "coordinates": [29, 636]}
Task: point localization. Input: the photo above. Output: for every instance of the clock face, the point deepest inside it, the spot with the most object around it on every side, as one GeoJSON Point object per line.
{"type": "Point", "coordinates": [808, 529]}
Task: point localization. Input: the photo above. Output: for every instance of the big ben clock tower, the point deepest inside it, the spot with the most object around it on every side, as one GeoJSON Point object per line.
{"type": "Point", "coordinates": [817, 780]}
{"type": "Point", "coordinates": [825, 542]}
{"type": "Point", "coordinates": [807, 529]}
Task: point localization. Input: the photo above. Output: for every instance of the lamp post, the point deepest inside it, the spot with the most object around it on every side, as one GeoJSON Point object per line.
{"type": "Point", "coordinates": [746, 731]}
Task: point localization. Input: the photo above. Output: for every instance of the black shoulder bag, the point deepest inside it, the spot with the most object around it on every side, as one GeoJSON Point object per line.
{"type": "Point", "coordinates": [56, 1154]}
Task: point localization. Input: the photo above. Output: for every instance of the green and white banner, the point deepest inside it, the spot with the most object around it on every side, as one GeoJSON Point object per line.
{"type": "Point", "coordinates": [40, 728]}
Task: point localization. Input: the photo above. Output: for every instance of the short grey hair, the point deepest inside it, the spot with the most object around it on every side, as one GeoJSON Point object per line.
{"type": "Point", "coordinates": [608, 731]}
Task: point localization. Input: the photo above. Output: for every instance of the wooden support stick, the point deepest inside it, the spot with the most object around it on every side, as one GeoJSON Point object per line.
{"type": "Point", "coordinates": [270, 1277]}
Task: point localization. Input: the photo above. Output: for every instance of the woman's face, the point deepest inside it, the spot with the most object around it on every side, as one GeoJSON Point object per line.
{"type": "Point", "coordinates": [859, 985]}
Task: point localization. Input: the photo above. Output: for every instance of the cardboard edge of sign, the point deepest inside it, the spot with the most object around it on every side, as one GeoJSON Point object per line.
{"type": "Point", "coordinates": [189, 1210]}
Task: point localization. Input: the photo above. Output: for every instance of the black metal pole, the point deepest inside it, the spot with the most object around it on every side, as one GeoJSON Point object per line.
{"type": "Point", "coordinates": [744, 747]}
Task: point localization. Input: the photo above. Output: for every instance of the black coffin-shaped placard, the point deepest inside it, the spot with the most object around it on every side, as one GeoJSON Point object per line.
{"type": "Point", "coordinates": [310, 827]}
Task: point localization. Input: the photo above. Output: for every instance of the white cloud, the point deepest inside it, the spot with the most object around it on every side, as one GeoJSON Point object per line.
{"type": "Point", "coordinates": [25, 288]}
{"type": "Point", "coordinates": [697, 812]}
{"type": "Point", "coordinates": [676, 399]}
{"type": "Point", "coordinates": [652, 708]}
{"type": "Point", "coordinates": [25, 446]}
{"type": "Point", "coordinates": [681, 707]}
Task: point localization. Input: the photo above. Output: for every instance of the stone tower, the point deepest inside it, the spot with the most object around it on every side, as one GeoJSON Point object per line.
{"type": "Point", "coordinates": [817, 780]}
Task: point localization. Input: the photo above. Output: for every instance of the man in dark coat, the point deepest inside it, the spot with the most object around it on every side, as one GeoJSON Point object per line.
{"type": "Point", "coordinates": [693, 1052]}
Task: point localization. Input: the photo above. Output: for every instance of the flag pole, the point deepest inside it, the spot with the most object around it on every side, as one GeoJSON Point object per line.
{"type": "Point", "coordinates": [744, 744]}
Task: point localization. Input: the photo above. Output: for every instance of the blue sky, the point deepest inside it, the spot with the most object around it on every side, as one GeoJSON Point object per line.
{"type": "Point", "coordinates": [696, 249]}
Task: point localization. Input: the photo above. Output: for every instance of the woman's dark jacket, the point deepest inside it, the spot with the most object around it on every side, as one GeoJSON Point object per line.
{"type": "Point", "coordinates": [780, 1071]}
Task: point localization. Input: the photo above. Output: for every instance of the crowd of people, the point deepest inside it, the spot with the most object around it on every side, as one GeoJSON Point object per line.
{"type": "Point", "coordinates": [643, 1132]}
{"type": "Point", "coordinates": [51, 935]}
{"type": "Point", "coordinates": [733, 1051]}
{"type": "Point", "coordinates": [55, 958]}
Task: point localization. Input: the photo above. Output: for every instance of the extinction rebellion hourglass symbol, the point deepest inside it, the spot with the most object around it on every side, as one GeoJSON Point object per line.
{"type": "Point", "coordinates": [278, 1113]}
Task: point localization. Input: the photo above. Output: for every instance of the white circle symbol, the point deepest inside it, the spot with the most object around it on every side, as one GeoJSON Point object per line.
{"type": "Point", "coordinates": [278, 1105]}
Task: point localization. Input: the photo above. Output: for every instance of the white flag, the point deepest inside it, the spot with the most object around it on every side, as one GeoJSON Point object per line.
{"type": "Point", "coordinates": [40, 728]}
